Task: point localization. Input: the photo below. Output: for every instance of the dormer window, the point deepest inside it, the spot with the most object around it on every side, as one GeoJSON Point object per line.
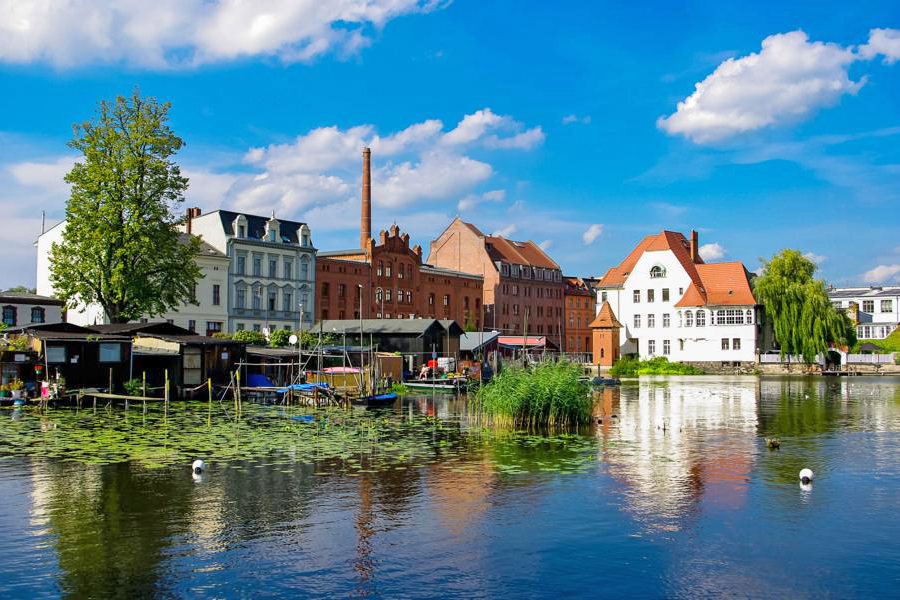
{"type": "Point", "coordinates": [657, 272]}
{"type": "Point", "coordinates": [239, 227]}
{"type": "Point", "coordinates": [242, 231]}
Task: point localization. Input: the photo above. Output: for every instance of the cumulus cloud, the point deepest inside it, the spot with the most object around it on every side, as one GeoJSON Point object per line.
{"type": "Point", "coordinates": [817, 259]}
{"type": "Point", "coordinates": [788, 80]}
{"type": "Point", "coordinates": [473, 200]}
{"type": "Point", "coordinates": [505, 231]}
{"type": "Point", "coordinates": [713, 251]}
{"type": "Point", "coordinates": [592, 233]}
{"type": "Point", "coordinates": [573, 118]}
{"type": "Point", "coordinates": [186, 33]}
{"type": "Point", "coordinates": [882, 274]}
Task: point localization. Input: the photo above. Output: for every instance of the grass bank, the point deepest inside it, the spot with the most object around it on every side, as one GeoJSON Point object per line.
{"type": "Point", "coordinates": [548, 394]}
{"type": "Point", "coordinates": [632, 367]}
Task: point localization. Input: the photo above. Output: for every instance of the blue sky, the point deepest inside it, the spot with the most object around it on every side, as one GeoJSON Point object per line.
{"type": "Point", "coordinates": [558, 122]}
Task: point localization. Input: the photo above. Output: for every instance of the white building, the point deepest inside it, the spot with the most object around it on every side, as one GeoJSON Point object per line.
{"type": "Point", "coordinates": [20, 309]}
{"type": "Point", "coordinates": [207, 316]}
{"type": "Point", "coordinates": [875, 310]}
{"type": "Point", "coordinates": [271, 271]}
{"type": "Point", "coordinates": [672, 304]}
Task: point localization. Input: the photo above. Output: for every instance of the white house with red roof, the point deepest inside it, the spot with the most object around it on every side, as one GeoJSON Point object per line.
{"type": "Point", "coordinates": [670, 303]}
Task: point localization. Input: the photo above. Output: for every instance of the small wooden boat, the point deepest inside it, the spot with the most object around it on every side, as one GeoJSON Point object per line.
{"type": "Point", "coordinates": [375, 400]}
{"type": "Point", "coordinates": [604, 381]}
{"type": "Point", "coordinates": [457, 383]}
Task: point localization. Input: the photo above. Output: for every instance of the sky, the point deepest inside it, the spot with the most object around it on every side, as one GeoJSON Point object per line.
{"type": "Point", "coordinates": [582, 126]}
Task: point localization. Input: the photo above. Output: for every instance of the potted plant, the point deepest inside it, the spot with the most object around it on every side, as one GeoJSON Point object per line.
{"type": "Point", "coordinates": [16, 388]}
{"type": "Point", "coordinates": [4, 391]}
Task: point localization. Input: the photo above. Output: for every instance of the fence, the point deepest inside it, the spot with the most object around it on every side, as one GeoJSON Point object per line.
{"type": "Point", "coordinates": [872, 359]}
{"type": "Point", "coordinates": [774, 359]}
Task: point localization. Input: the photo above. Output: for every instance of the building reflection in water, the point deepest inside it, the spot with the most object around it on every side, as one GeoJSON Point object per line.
{"type": "Point", "coordinates": [677, 443]}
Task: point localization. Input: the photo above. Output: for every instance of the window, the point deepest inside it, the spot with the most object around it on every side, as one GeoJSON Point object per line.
{"type": "Point", "coordinates": [681, 345]}
{"type": "Point", "coordinates": [257, 266]}
{"type": "Point", "coordinates": [272, 235]}
{"type": "Point", "coordinates": [342, 290]}
{"type": "Point", "coordinates": [192, 326]}
{"type": "Point", "coordinates": [217, 294]}
{"type": "Point", "coordinates": [666, 319]}
{"type": "Point", "coordinates": [868, 306]}
{"type": "Point", "coordinates": [657, 272]}
{"type": "Point", "coordinates": [431, 299]}
{"type": "Point", "coordinates": [681, 291]}
{"type": "Point", "coordinates": [37, 315]}
{"type": "Point", "coordinates": [602, 296]}
{"type": "Point", "coordinates": [387, 270]}
{"type": "Point", "coordinates": [736, 344]}
{"type": "Point", "coordinates": [213, 327]}
{"type": "Point", "coordinates": [387, 295]}
{"type": "Point", "coordinates": [665, 294]}
{"type": "Point", "coordinates": [887, 305]}
{"type": "Point", "coordinates": [325, 289]}
{"type": "Point", "coordinates": [636, 298]}
{"type": "Point", "coordinates": [836, 304]}
{"type": "Point", "coordinates": [273, 268]}
{"type": "Point", "coordinates": [399, 271]}
{"type": "Point", "coordinates": [288, 269]}
{"type": "Point", "coordinates": [287, 301]}
{"type": "Point", "coordinates": [304, 268]}
{"type": "Point", "coordinates": [651, 347]}
{"type": "Point", "coordinates": [242, 231]}
{"type": "Point", "coordinates": [446, 300]}
{"type": "Point", "coordinates": [240, 298]}
{"type": "Point", "coordinates": [651, 320]}
{"type": "Point", "coordinates": [408, 297]}
{"type": "Point", "coordinates": [724, 343]}
{"type": "Point", "coordinates": [56, 354]}
{"type": "Point", "coordinates": [378, 295]}
{"type": "Point", "coordinates": [515, 290]}
{"type": "Point", "coordinates": [749, 317]}
{"type": "Point", "coordinates": [515, 309]}
{"type": "Point", "coordinates": [9, 316]}
{"type": "Point", "coordinates": [701, 318]}
{"type": "Point", "coordinates": [110, 353]}
{"type": "Point", "coordinates": [256, 328]}
{"type": "Point", "coordinates": [688, 319]}
{"type": "Point", "coordinates": [650, 295]}
{"type": "Point", "coordinates": [666, 348]}
{"type": "Point", "coordinates": [637, 321]}
{"type": "Point", "coordinates": [730, 316]}
{"type": "Point", "coordinates": [241, 264]}
{"type": "Point", "coordinates": [272, 300]}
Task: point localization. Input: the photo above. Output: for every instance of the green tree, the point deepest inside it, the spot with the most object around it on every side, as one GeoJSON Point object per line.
{"type": "Point", "coordinates": [254, 338]}
{"type": "Point", "coordinates": [280, 338]}
{"type": "Point", "coordinates": [21, 289]}
{"type": "Point", "coordinates": [121, 247]}
{"type": "Point", "coordinates": [803, 320]}
{"type": "Point", "coordinates": [470, 324]}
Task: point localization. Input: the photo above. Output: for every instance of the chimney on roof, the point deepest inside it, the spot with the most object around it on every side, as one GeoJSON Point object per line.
{"type": "Point", "coordinates": [695, 247]}
{"type": "Point", "coordinates": [365, 226]}
{"type": "Point", "coordinates": [189, 216]}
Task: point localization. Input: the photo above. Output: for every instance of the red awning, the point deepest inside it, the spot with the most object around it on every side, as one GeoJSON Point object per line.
{"type": "Point", "coordinates": [517, 340]}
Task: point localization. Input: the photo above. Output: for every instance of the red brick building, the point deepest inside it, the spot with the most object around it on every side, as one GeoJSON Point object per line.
{"type": "Point", "coordinates": [523, 287]}
{"type": "Point", "coordinates": [394, 281]}
{"type": "Point", "coordinates": [580, 312]}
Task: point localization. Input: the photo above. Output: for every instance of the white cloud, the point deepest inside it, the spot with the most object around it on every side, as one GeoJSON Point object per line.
{"type": "Point", "coordinates": [712, 251]}
{"type": "Point", "coordinates": [472, 200]}
{"type": "Point", "coordinates": [475, 127]}
{"type": "Point", "coordinates": [787, 81]}
{"type": "Point", "coordinates": [882, 41]}
{"type": "Point", "coordinates": [573, 118]}
{"type": "Point", "coordinates": [506, 231]}
{"type": "Point", "coordinates": [882, 274]}
{"type": "Point", "coordinates": [817, 259]}
{"type": "Point", "coordinates": [184, 33]}
{"type": "Point", "coordinates": [438, 175]}
{"type": "Point", "coordinates": [592, 233]}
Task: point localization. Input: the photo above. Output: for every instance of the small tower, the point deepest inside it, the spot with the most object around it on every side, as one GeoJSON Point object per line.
{"type": "Point", "coordinates": [605, 330]}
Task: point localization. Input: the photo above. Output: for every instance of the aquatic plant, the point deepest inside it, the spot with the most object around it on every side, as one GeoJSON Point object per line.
{"type": "Point", "coordinates": [134, 387]}
{"type": "Point", "coordinates": [660, 365]}
{"type": "Point", "coordinates": [546, 394]}
{"type": "Point", "coordinates": [401, 389]}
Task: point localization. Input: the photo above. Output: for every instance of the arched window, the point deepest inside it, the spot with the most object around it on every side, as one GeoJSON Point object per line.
{"type": "Point", "coordinates": [688, 319]}
{"type": "Point", "coordinates": [380, 268]}
{"type": "Point", "coordinates": [408, 297]}
{"type": "Point", "coordinates": [749, 317]}
{"type": "Point", "coordinates": [304, 267]}
{"type": "Point", "coordinates": [657, 272]}
{"type": "Point", "coordinates": [38, 315]}
{"type": "Point", "coordinates": [701, 318]}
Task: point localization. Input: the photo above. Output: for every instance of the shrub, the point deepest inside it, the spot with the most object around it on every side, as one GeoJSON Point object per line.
{"type": "Point", "coordinates": [625, 367]}
{"type": "Point", "coordinates": [254, 338]}
{"type": "Point", "coordinates": [660, 365]}
{"type": "Point", "coordinates": [221, 335]}
{"type": "Point", "coordinates": [280, 338]}
{"type": "Point", "coordinates": [547, 394]}
{"type": "Point", "coordinates": [133, 387]}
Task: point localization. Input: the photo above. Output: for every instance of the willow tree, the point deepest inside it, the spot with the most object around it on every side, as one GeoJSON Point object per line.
{"type": "Point", "coordinates": [121, 246]}
{"type": "Point", "coordinates": [803, 319]}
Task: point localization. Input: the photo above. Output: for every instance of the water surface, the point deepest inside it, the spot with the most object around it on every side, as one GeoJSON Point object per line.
{"type": "Point", "coordinates": [674, 494]}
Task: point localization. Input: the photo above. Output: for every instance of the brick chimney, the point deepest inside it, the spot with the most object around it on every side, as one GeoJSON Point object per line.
{"type": "Point", "coordinates": [365, 225]}
{"type": "Point", "coordinates": [695, 247]}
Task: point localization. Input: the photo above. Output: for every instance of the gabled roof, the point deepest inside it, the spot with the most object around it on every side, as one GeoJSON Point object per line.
{"type": "Point", "coordinates": [664, 240]}
{"type": "Point", "coordinates": [205, 249]}
{"type": "Point", "coordinates": [476, 340]}
{"type": "Point", "coordinates": [724, 284]}
{"type": "Point", "coordinates": [605, 318]}
{"type": "Point", "coordinates": [379, 326]}
{"type": "Point", "coordinates": [519, 253]}
{"type": "Point", "coordinates": [256, 226]}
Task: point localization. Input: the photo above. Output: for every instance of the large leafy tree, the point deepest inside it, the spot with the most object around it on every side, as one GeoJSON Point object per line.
{"type": "Point", "coordinates": [803, 320]}
{"type": "Point", "coordinates": [121, 247]}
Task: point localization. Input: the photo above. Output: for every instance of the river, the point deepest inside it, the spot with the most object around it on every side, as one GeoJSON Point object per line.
{"type": "Point", "coordinates": [674, 494]}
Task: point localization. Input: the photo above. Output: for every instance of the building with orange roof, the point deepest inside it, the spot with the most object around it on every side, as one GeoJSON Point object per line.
{"type": "Point", "coordinates": [579, 312]}
{"type": "Point", "coordinates": [523, 286]}
{"type": "Point", "coordinates": [671, 303]}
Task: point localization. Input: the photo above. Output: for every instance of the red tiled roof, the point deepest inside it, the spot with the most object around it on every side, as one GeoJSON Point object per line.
{"type": "Point", "coordinates": [725, 284]}
{"type": "Point", "coordinates": [520, 253]}
{"type": "Point", "coordinates": [605, 318]}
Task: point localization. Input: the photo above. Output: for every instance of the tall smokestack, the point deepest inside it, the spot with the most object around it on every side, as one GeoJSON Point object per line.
{"type": "Point", "coordinates": [365, 225]}
{"type": "Point", "coordinates": [695, 247]}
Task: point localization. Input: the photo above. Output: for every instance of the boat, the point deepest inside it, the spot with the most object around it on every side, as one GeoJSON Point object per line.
{"type": "Point", "coordinates": [375, 400]}
{"type": "Point", "coordinates": [449, 384]}
{"type": "Point", "coordinates": [604, 381]}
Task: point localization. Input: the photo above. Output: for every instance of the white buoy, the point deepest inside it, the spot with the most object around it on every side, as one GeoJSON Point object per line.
{"type": "Point", "coordinates": [806, 476]}
{"type": "Point", "coordinates": [198, 466]}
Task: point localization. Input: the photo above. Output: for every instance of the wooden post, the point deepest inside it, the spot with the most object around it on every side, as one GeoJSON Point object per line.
{"type": "Point", "coordinates": [110, 381]}
{"type": "Point", "coordinates": [209, 415]}
{"type": "Point", "coordinates": [144, 389]}
{"type": "Point", "coordinates": [239, 388]}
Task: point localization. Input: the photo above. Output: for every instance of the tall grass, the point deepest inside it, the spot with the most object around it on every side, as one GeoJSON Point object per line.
{"type": "Point", "coordinates": [547, 394]}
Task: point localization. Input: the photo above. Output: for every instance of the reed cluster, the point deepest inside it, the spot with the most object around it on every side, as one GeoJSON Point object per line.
{"type": "Point", "coordinates": [547, 394]}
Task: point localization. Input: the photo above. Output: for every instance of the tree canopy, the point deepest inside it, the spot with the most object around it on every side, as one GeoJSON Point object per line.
{"type": "Point", "coordinates": [121, 246]}
{"type": "Point", "coordinates": [803, 320]}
